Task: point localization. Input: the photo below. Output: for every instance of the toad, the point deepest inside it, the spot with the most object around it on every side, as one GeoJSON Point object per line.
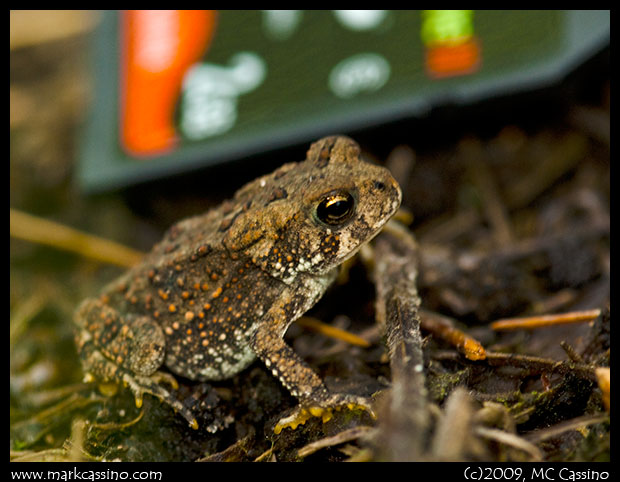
{"type": "Point", "coordinates": [221, 288]}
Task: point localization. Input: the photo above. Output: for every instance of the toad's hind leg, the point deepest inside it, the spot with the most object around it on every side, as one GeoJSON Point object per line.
{"type": "Point", "coordinates": [127, 350]}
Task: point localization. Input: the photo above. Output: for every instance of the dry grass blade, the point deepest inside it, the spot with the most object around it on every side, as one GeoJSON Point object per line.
{"type": "Point", "coordinates": [544, 320]}
{"type": "Point", "coordinates": [25, 312]}
{"type": "Point", "coordinates": [42, 231]}
{"type": "Point", "coordinates": [511, 440]}
{"type": "Point", "coordinates": [342, 437]}
{"type": "Point", "coordinates": [452, 440]}
{"type": "Point", "coordinates": [558, 429]}
{"type": "Point", "coordinates": [331, 331]}
{"type": "Point", "coordinates": [603, 376]}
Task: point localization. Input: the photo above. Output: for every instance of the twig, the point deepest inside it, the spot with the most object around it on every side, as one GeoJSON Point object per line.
{"type": "Point", "coordinates": [404, 425]}
{"type": "Point", "coordinates": [570, 351]}
{"type": "Point", "coordinates": [475, 158]}
{"type": "Point", "coordinates": [441, 327]}
{"type": "Point", "coordinates": [564, 157]}
{"type": "Point", "coordinates": [538, 365]}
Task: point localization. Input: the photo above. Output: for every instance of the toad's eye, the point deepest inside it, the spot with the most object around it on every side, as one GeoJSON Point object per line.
{"type": "Point", "coordinates": [336, 208]}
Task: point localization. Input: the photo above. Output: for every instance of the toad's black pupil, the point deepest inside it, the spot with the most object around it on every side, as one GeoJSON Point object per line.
{"type": "Point", "coordinates": [335, 208]}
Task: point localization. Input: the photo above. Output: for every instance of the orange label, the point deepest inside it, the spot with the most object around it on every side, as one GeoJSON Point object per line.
{"type": "Point", "coordinates": [157, 46]}
{"type": "Point", "coordinates": [453, 58]}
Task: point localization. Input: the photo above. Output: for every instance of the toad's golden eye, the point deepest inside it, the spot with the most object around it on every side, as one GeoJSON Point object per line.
{"type": "Point", "coordinates": [336, 208]}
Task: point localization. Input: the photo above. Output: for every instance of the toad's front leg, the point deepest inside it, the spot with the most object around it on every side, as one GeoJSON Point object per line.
{"type": "Point", "coordinates": [315, 400]}
{"type": "Point", "coordinates": [125, 349]}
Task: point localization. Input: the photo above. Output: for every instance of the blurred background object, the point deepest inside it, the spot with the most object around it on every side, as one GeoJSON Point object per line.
{"type": "Point", "coordinates": [32, 27]}
{"type": "Point", "coordinates": [179, 90]}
